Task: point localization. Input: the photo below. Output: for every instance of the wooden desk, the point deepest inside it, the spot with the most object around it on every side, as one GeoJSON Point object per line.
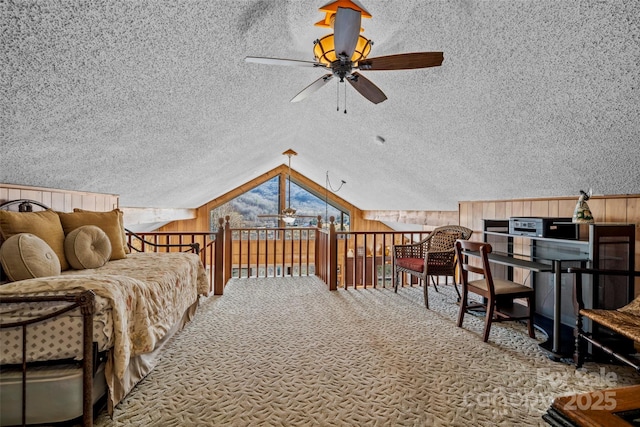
{"type": "Point", "coordinates": [553, 345]}
{"type": "Point", "coordinates": [597, 408]}
{"type": "Point", "coordinates": [600, 246]}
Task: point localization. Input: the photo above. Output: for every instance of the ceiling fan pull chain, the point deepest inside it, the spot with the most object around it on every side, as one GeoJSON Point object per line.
{"type": "Point", "coordinates": [345, 98]}
{"type": "Point", "coordinates": [337, 96]}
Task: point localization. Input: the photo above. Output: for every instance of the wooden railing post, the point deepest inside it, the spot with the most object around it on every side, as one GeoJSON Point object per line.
{"type": "Point", "coordinates": [218, 269]}
{"type": "Point", "coordinates": [333, 256]}
{"type": "Point", "coordinates": [228, 245]}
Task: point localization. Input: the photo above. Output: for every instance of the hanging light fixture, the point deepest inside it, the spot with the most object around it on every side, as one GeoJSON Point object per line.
{"type": "Point", "coordinates": [289, 219]}
{"type": "Point", "coordinates": [288, 213]}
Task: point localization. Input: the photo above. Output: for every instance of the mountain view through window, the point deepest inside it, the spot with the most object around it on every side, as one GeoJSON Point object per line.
{"type": "Point", "coordinates": [263, 200]}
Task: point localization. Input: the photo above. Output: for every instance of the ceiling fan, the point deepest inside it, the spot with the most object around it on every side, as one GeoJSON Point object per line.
{"type": "Point", "coordinates": [346, 50]}
{"type": "Point", "coordinates": [288, 214]}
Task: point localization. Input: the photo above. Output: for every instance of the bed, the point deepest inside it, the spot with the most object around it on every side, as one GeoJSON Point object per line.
{"type": "Point", "coordinates": [90, 333]}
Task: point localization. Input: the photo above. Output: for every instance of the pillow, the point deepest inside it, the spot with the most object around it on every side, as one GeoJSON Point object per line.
{"type": "Point", "coordinates": [125, 245]}
{"type": "Point", "coordinates": [43, 224]}
{"type": "Point", "coordinates": [26, 256]}
{"type": "Point", "coordinates": [107, 221]}
{"type": "Point", "coordinates": [124, 233]}
{"type": "Point", "coordinates": [87, 247]}
{"type": "Point", "coordinates": [121, 219]}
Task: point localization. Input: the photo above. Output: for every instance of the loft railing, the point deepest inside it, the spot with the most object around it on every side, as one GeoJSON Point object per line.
{"type": "Point", "coordinates": [196, 242]}
{"type": "Point", "coordinates": [339, 258]}
{"type": "Point", "coordinates": [267, 252]}
{"type": "Point", "coordinates": [273, 252]}
{"type": "Point", "coordinates": [365, 258]}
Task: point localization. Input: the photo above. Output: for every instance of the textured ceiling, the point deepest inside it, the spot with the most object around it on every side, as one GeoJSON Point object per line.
{"type": "Point", "coordinates": [152, 100]}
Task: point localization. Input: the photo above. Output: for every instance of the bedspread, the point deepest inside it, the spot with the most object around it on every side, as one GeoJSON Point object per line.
{"type": "Point", "coordinates": [147, 294]}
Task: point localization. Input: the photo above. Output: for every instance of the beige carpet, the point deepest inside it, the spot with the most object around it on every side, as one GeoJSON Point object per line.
{"type": "Point", "coordinates": [287, 352]}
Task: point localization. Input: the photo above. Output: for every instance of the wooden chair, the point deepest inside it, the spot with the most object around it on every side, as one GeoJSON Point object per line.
{"type": "Point", "coordinates": [498, 294]}
{"type": "Point", "coordinates": [624, 321]}
{"type": "Point", "coordinates": [433, 256]}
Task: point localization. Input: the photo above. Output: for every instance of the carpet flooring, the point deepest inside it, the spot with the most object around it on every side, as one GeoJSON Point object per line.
{"type": "Point", "coordinates": [288, 352]}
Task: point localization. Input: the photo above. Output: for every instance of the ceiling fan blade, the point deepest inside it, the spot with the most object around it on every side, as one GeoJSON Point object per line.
{"type": "Point", "coordinates": [366, 88]}
{"type": "Point", "coordinates": [312, 88]}
{"type": "Point", "coordinates": [287, 62]}
{"type": "Point", "coordinates": [346, 29]}
{"type": "Point", "coordinates": [402, 61]}
{"type": "Point", "coordinates": [268, 216]}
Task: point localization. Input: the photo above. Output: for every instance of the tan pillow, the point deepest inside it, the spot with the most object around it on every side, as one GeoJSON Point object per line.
{"type": "Point", "coordinates": [121, 219]}
{"type": "Point", "coordinates": [43, 224]}
{"type": "Point", "coordinates": [87, 247]}
{"type": "Point", "coordinates": [25, 256]}
{"type": "Point", "coordinates": [107, 221]}
{"type": "Point", "coordinates": [124, 233]}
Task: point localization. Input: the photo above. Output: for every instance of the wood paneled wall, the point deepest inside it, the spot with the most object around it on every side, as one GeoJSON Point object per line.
{"type": "Point", "coordinates": [616, 208]}
{"type": "Point", "coordinates": [59, 200]}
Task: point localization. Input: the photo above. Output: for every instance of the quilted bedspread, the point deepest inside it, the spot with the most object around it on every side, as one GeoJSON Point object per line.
{"type": "Point", "coordinates": [146, 294]}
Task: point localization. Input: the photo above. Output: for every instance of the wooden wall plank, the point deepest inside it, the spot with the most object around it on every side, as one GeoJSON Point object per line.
{"type": "Point", "coordinates": [476, 218]}
{"type": "Point", "coordinates": [566, 207]}
{"type": "Point", "coordinates": [68, 203]}
{"type": "Point", "coordinates": [489, 210]}
{"type": "Point", "coordinates": [4, 195]}
{"type": "Point", "coordinates": [46, 198]}
{"type": "Point", "coordinates": [597, 207]}
{"type": "Point", "coordinates": [57, 202]}
{"type": "Point", "coordinates": [89, 202]}
{"type": "Point", "coordinates": [615, 210]}
{"type": "Point", "coordinates": [509, 211]}
{"type": "Point", "coordinates": [60, 200]}
{"type": "Point", "coordinates": [14, 194]}
{"type": "Point", "coordinates": [31, 195]}
{"type": "Point", "coordinates": [517, 208]}
{"type": "Point", "coordinates": [501, 210]}
{"type": "Point", "coordinates": [464, 215]}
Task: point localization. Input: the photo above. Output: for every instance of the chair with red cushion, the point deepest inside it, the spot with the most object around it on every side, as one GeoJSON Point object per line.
{"type": "Point", "coordinates": [433, 256]}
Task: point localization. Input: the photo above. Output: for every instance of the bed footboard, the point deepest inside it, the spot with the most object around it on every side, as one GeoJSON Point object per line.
{"type": "Point", "coordinates": [83, 301]}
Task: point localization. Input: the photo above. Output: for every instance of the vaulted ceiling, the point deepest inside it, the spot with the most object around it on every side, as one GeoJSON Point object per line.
{"type": "Point", "coordinates": [152, 100]}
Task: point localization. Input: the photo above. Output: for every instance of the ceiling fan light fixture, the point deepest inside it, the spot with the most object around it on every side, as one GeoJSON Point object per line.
{"type": "Point", "coordinates": [289, 215]}
{"type": "Point", "coordinates": [346, 50]}
{"type": "Point", "coordinates": [289, 219]}
{"type": "Point", "coordinates": [324, 50]}
{"type": "Point", "coordinates": [332, 7]}
{"type": "Point", "coordinates": [329, 21]}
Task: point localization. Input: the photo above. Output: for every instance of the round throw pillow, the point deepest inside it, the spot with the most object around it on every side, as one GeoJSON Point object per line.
{"type": "Point", "coordinates": [26, 256]}
{"type": "Point", "coordinates": [87, 247]}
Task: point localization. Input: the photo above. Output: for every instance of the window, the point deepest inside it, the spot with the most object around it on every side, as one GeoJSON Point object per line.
{"type": "Point", "coordinates": [243, 210]}
{"type": "Point", "coordinates": [264, 199]}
